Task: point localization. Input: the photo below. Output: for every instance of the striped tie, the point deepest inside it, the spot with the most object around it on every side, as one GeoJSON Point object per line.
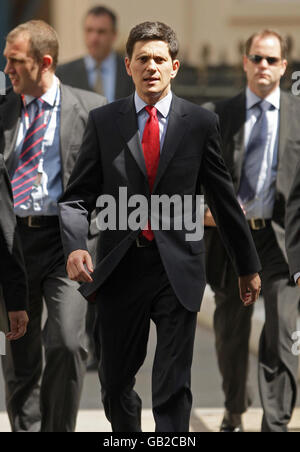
{"type": "Point", "coordinates": [27, 169]}
{"type": "Point", "coordinates": [254, 154]}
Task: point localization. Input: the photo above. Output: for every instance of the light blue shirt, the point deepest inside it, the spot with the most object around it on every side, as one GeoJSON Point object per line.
{"type": "Point", "coordinates": [108, 72]}
{"type": "Point", "coordinates": [44, 197]}
{"type": "Point", "coordinates": [263, 203]}
{"type": "Point", "coordinates": [163, 110]}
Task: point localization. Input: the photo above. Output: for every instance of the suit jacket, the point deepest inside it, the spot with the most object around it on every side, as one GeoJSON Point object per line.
{"type": "Point", "coordinates": [111, 157]}
{"type": "Point", "coordinates": [293, 225]}
{"type": "Point", "coordinates": [232, 115]}
{"type": "Point", "coordinates": [75, 106]}
{"type": "Point", "coordinates": [12, 268]}
{"type": "Point", "coordinates": [74, 74]}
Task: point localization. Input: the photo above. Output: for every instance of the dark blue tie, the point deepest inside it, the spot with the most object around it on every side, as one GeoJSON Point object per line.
{"type": "Point", "coordinates": [27, 168]}
{"type": "Point", "coordinates": [254, 154]}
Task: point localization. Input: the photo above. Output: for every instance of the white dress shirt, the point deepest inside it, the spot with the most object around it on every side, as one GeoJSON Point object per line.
{"type": "Point", "coordinates": [163, 109]}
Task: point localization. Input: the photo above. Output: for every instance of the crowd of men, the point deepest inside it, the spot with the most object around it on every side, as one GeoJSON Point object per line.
{"type": "Point", "coordinates": [72, 133]}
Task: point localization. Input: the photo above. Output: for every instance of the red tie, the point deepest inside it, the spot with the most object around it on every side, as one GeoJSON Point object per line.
{"type": "Point", "coordinates": [151, 149]}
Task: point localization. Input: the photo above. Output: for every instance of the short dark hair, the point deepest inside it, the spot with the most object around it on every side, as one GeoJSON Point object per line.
{"type": "Point", "coordinates": [264, 34]}
{"type": "Point", "coordinates": [103, 11]}
{"type": "Point", "coordinates": [42, 37]}
{"type": "Point", "coordinates": [149, 31]}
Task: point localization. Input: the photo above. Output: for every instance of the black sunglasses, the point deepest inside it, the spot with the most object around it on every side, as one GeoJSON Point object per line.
{"type": "Point", "coordinates": [256, 59]}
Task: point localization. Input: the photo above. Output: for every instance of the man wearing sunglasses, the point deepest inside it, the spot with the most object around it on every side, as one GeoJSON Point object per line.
{"type": "Point", "coordinates": [261, 138]}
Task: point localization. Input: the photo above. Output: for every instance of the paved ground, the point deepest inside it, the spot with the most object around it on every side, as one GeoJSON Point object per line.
{"type": "Point", "coordinates": [206, 385]}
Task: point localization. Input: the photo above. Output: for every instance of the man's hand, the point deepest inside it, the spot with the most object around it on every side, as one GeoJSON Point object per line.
{"type": "Point", "coordinates": [79, 266]}
{"type": "Point", "coordinates": [18, 324]}
{"type": "Point", "coordinates": [209, 219]}
{"type": "Point", "coordinates": [250, 286]}
{"type": "Point", "coordinates": [298, 282]}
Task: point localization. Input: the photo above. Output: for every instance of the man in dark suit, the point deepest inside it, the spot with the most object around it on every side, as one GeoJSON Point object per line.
{"type": "Point", "coordinates": [101, 70]}
{"type": "Point", "coordinates": [260, 133]}
{"type": "Point", "coordinates": [152, 143]}
{"type": "Point", "coordinates": [43, 124]}
{"type": "Point", "coordinates": [13, 282]}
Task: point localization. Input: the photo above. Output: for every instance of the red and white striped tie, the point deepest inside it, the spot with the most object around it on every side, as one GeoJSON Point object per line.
{"type": "Point", "coordinates": [27, 169]}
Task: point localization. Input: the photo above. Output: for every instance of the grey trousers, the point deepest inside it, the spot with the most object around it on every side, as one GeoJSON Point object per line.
{"type": "Point", "coordinates": [277, 366]}
{"type": "Point", "coordinates": [47, 399]}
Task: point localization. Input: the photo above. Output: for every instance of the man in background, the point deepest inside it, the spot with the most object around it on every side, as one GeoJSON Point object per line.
{"type": "Point", "coordinates": [102, 70]}
{"type": "Point", "coordinates": [260, 132]}
{"type": "Point", "coordinates": [43, 123]}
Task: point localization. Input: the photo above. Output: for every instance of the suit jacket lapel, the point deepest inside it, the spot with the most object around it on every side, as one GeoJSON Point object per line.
{"type": "Point", "coordinates": [283, 124]}
{"type": "Point", "coordinates": [238, 133]}
{"type": "Point", "coordinates": [83, 80]}
{"type": "Point", "coordinates": [177, 127]}
{"type": "Point", "coordinates": [127, 123]}
{"type": "Point", "coordinates": [68, 117]}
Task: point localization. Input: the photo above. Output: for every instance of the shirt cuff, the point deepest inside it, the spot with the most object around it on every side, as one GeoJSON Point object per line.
{"type": "Point", "coordinates": [296, 276]}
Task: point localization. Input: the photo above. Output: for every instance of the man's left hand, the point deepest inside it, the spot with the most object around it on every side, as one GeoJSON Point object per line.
{"type": "Point", "coordinates": [250, 286]}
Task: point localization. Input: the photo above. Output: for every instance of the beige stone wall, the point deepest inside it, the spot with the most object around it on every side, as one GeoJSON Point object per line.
{"type": "Point", "coordinates": [220, 23]}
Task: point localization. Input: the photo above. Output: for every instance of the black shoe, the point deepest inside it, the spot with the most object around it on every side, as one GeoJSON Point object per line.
{"type": "Point", "coordinates": [232, 423]}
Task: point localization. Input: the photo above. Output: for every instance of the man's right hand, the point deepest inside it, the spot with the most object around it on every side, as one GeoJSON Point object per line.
{"type": "Point", "coordinates": [79, 266]}
{"type": "Point", "coordinates": [18, 321]}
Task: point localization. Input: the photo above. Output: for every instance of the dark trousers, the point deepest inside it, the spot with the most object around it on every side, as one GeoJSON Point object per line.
{"type": "Point", "coordinates": [135, 293]}
{"type": "Point", "coordinates": [277, 367]}
{"type": "Point", "coordinates": [49, 404]}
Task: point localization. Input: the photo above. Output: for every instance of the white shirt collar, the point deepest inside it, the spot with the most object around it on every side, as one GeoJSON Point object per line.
{"type": "Point", "coordinates": [49, 96]}
{"type": "Point", "coordinates": [163, 105]}
{"type": "Point", "coordinates": [273, 98]}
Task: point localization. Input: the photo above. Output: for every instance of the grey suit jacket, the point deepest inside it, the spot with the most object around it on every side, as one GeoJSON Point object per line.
{"type": "Point", "coordinates": [12, 268]}
{"type": "Point", "coordinates": [232, 115]}
{"type": "Point", "coordinates": [75, 107]}
{"type": "Point", "coordinates": [74, 74]}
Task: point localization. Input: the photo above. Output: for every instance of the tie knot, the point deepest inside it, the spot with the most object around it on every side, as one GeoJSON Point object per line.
{"type": "Point", "coordinates": [264, 105]}
{"type": "Point", "coordinates": [98, 66]}
{"type": "Point", "coordinates": [38, 103]}
{"type": "Point", "coordinates": [151, 111]}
